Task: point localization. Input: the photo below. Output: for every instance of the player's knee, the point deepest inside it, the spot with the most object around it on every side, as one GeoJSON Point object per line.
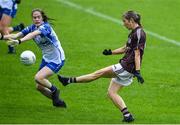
{"type": "Point", "coordinates": [97, 74]}
{"type": "Point", "coordinates": [94, 75]}
{"type": "Point", "coordinates": [38, 78]}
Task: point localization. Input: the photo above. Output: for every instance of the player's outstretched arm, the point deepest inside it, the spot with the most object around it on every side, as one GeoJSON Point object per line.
{"type": "Point", "coordinates": [30, 36]}
{"type": "Point", "coordinates": [114, 52]}
{"type": "Point", "coordinates": [10, 36]}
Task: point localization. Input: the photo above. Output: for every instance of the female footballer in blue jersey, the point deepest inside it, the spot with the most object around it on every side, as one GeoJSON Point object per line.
{"type": "Point", "coordinates": [8, 9]}
{"type": "Point", "coordinates": [53, 55]}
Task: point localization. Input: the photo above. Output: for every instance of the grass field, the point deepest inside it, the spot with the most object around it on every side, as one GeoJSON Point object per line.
{"type": "Point", "coordinates": [83, 36]}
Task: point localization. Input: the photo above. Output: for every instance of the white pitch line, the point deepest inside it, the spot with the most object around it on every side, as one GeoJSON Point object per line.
{"type": "Point", "coordinates": [98, 14]}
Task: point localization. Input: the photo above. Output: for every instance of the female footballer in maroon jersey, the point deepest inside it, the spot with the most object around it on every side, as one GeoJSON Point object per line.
{"type": "Point", "coordinates": [122, 73]}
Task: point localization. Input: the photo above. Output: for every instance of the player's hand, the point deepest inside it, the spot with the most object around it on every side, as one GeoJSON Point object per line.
{"type": "Point", "coordinates": [139, 77]}
{"type": "Point", "coordinates": [107, 52]}
{"type": "Point", "coordinates": [13, 42]}
{"type": "Point", "coordinates": [11, 36]}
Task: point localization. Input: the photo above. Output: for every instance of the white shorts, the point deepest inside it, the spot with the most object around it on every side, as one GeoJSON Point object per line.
{"type": "Point", "coordinates": [123, 77]}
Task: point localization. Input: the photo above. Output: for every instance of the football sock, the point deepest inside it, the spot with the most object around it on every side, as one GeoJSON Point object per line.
{"type": "Point", "coordinates": [18, 27]}
{"type": "Point", "coordinates": [72, 80]}
{"type": "Point", "coordinates": [125, 112]}
{"type": "Point", "coordinates": [53, 88]}
{"type": "Point", "coordinates": [11, 49]}
{"type": "Point", "coordinates": [66, 80]}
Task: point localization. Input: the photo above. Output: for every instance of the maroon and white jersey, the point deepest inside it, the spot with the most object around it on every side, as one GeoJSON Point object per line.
{"type": "Point", "coordinates": [136, 40]}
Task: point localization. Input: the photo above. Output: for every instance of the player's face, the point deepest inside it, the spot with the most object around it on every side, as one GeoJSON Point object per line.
{"type": "Point", "coordinates": [127, 23]}
{"type": "Point", "coordinates": [37, 18]}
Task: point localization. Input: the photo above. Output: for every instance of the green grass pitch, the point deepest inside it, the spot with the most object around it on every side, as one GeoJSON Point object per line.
{"type": "Point", "coordinates": [83, 36]}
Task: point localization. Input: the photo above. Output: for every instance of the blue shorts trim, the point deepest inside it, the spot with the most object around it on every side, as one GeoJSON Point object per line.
{"type": "Point", "coordinates": [7, 12]}
{"type": "Point", "coordinates": [53, 66]}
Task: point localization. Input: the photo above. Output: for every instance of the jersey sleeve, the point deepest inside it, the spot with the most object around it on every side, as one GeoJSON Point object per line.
{"type": "Point", "coordinates": [141, 39]}
{"type": "Point", "coordinates": [27, 30]}
{"type": "Point", "coordinates": [45, 30]}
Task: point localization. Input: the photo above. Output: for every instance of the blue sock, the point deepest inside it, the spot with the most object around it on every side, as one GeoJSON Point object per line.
{"type": "Point", "coordinates": [53, 88]}
{"type": "Point", "coordinates": [11, 49]}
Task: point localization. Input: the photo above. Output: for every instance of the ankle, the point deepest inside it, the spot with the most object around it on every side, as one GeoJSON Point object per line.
{"type": "Point", "coordinates": [72, 80]}
{"type": "Point", "coordinates": [53, 88]}
{"type": "Point", "coordinates": [125, 112]}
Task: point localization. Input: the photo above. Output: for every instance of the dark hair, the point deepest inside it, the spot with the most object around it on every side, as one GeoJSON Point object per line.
{"type": "Point", "coordinates": [18, 1]}
{"type": "Point", "coordinates": [44, 16]}
{"type": "Point", "coordinates": [133, 15]}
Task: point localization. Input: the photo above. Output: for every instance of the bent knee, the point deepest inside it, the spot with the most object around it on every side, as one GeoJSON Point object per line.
{"type": "Point", "coordinates": [97, 74]}
{"type": "Point", "coordinates": [38, 78]}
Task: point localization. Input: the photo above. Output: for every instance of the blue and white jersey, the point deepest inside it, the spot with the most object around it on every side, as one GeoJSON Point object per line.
{"type": "Point", "coordinates": [8, 7]}
{"type": "Point", "coordinates": [48, 42]}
